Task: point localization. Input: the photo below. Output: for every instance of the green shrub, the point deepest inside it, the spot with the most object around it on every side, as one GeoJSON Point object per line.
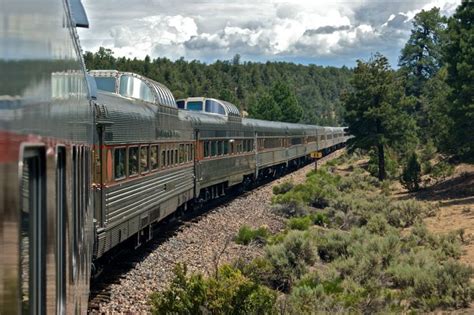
{"type": "Point", "coordinates": [282, 188]}
{"type": "Point", "coordinates": [332, 244]}
{"type": "Point", "coordinates": [406, 212]}
{"type": "Point", "coordinates": [428, 284]}
{"type": "Point", "coordinates": [246, 235]}
{"type": "Point", "coordinates": [378, 224]}
{"type": "Point", "coordinates": [442, 170]}
{"type": "Point", "coordinates": [411, 174]}
{"type": "Point", "coordinates": [300, 223]}
{"type": "Point", "coordinates": [290, 258]}
{"type": "Point", "coordinates": [259, 270]}
{"type": "Point", "coordinates": [228, 293]}
{"type": "Point", "coordinates": [319, 218]}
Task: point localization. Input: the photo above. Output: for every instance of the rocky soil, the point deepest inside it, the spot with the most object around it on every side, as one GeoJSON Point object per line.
{"type": "Point", "coordinates": [201, 244]}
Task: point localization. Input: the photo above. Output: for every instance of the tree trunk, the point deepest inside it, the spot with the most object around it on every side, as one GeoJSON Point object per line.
{"type": "Point", "coordinates": [381, 162]}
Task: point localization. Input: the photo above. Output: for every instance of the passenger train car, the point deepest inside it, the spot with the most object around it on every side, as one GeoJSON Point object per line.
{"type": "Point", "coordinates": [46, 140]}
{"type": "Point", "coordinates": [90, 160]}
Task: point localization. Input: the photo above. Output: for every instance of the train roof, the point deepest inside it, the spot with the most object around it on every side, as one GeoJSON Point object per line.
{"type": "Point", "coordinates": [133, 85]}
{"type": "Point", "coordinates": [257, 123]}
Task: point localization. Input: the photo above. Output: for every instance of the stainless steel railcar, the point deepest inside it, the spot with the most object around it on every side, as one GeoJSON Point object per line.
{"type": "Point", "coordinates": [46, 137]}
{"type": "Point", "coordinates": [155, 155]}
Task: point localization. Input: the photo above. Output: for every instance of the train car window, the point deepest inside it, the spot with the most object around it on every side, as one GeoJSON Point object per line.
{"type": "Point", "coordinates": [32, 231]}
{"type": "Point", "coordinates": [163, 156]}
{"type": "Point", "coordinates": [185, 148]}
{"type": "Point", "coordinates": [206, 149]}
{"type": "Point", "coordinates": [219, 147]}
{"type": "Point", "coordinates": [214, 107]}
{"type": "Point", "coordinates": [226, 147]}
{"type": "Point", "coordinates": [154, 163]}
{"type": "Point", "coordinates": [181, 154]}
{"type": "Point", "coordinates": [213, 148]}
{"type": "Point", "coordinates": [176, 161]}
{"type": "Point", "coordinates": [132, 161]}
{"type": "Point", "coordinates": [180, 104]}
{"type": "Point", "coordinates": [105, 84]}
{"type": "Point", "coordinates": [296, 140]}
{"type": "Point", "coordinates": [134, 87]}
{"type": "Point", "coordinates": [61, 215]}
{"type": "Point", "coordinates": [119, 163]}
{"type": "Point", "coordinates": [191, 152]}
{"type": "Point", "coordinates": [144, 168]}
{"type": "Point", "coordinates": [232, 146]}
{"type": "Point", "coordinates": [194, 105]}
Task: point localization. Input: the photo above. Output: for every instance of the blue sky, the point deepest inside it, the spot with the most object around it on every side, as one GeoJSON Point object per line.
{"type": "Point", "coordinates": [327, 32]}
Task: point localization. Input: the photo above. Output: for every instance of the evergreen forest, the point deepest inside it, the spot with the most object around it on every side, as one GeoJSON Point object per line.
{"type": "Point", "coordinates": [312, 92]}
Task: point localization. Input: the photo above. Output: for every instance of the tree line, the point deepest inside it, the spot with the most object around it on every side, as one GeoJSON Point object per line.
{"type": "Point", "coordinates": [278, 91]}
{"type": "Point", "coordinates": [428, 101]}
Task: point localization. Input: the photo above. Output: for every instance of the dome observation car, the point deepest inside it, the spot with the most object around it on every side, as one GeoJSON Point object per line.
{"type": "Point", "coordinates": [209, 106]}
{"type": "Point", "coordinates": [132, 85]}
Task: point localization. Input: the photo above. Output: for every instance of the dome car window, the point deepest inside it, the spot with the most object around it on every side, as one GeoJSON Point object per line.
{"type": "Point", "coordinates": [180, 104]}
{"type": "Point", "coordinates": [136, 88]}
{"type": "Point", "coordinates": [105, 84]}
{"type": "Point", "coordinates": [195, 106]}
{"type": "Point", "coordinates": [214, 107]}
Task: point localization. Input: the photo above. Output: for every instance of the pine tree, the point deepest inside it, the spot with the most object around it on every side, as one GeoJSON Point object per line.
{"type": "Point", "coordinates": [291, 111]}
{"type": "Point", "coordinates": [460, 61]}
{"type": "Point", "coordinates": [266, 108]}
{"type": "Point", "coordinates": [421, 57]}
{"type": "Point", "coordinates": [376, 110]}
{"type": "Point", "coordinates": [411, 175]}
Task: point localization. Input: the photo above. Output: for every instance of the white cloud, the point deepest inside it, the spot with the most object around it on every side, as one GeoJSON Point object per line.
{"type": "Point", "coordinates": [261, 30]}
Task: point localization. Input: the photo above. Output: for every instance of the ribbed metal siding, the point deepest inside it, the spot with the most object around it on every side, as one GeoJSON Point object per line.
{"type": "Point", "coordinates": [125, 201]}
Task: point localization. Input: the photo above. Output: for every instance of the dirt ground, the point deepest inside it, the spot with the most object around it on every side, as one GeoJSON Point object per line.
{"type": "Point", "coordinates": [455, 198]}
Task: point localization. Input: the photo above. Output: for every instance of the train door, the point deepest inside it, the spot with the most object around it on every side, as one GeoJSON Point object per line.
{"type": "Point", "coordinates": [33, 230]}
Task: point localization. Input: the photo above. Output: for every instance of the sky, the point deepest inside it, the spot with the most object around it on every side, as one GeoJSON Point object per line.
{"type": "Point", "coordinates": [322, 32]}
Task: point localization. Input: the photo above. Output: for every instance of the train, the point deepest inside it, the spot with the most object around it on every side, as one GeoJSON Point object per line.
{"type": "Point", "coordinates": [92, 159]}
